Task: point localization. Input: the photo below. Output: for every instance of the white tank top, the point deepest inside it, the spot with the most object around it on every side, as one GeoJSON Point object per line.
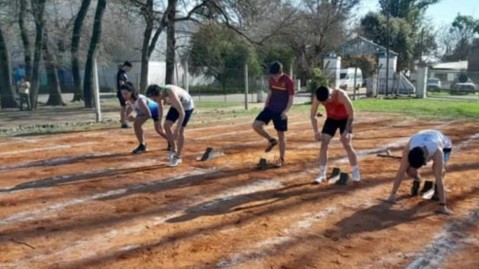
{"type": "Point", "coordinates": [432, 139]}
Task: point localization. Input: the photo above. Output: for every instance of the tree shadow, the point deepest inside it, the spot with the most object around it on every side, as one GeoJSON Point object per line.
{"type": "Point", "coordinates": [53, 181]}
{"type": "Point", "coordinates": [65, 160]}
{"type": "Point", "coordinates": [377, 217]}
{"type": "Point", "coordinates": [230, 204]}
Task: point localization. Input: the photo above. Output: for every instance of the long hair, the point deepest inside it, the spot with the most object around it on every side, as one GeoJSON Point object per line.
{"type": "Point", "coordinates": [128, 86]}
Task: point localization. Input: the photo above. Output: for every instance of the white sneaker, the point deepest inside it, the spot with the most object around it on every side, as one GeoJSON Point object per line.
{"type": "Point", "coordinates": [175, 161]}
{"type": "Point", "coordinates": [356, 176]}
{"type": "Point", "coordinates": [170, 155]}
{"type": "Point", "coordinates": [320, 179]}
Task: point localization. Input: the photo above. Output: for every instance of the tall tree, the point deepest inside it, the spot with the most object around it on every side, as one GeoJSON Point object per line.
{"type": "Point", "coordinates": [170, 43]}
{"type": "Point", "coordinates": [55, 97]}
{"type": "Point", "coordinates": [38, 8]}
{"type": "Point", "coordinates": [75, 46]}
{"type": "Point", "coordinates": [320, 28]}
{"type": "Point", "coordinates": [462, 31]}
{"type": "Point", "coordinates": [6, 89]}
{"type": "Point", "coordinates": [375, 28]}
{"type": "Point", "coordinates": [219, 52]}
{"type": "Point", "coordinates": [27, 48]}
{"type": "Point", "coordinates": [409, 10]}
{"type": "Point", "coordinates": [92, 53]}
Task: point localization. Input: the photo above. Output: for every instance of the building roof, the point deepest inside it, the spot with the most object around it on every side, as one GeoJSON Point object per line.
{"type": "Point", "coordinates": [362, 46]}
{"type": "Point", "coordinates": [461, 65]}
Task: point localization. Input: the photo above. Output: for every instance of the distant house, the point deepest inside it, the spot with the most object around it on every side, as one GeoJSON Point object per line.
{"type": "Point", "coordinates": [447, 72]}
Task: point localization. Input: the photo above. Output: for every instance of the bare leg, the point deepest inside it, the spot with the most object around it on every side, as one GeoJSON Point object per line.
{"type": "Point", "coordinates": [351, 153]}
{"type": "Point", "coordinates": [180, 142]}
{"type": "Point", "coordinates": [169, 134]}
{"type": "Point", "coordinates": [139, 121]}
{"type": "Point", "coordinates": [258, 126]}
{"type": "Point", "coordinates": [123, 115]}
{"type": "Point", "coordinates": [323, 152]}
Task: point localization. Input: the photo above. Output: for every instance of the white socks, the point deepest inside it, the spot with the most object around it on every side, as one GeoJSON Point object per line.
{"type": "Point", "coordinates": [356, 174]}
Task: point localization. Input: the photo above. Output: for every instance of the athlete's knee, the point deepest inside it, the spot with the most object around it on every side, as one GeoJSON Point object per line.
{"type": "Point", "coordinates": [257, 125]}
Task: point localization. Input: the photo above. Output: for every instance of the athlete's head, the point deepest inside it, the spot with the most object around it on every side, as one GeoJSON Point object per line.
{"type": "Point", "coordinates": [155, 92]}
{"type": "Point", "coordinates": [322, 93]}
{"type": "Point", "coordinates": [416, 157]}
{"type": "Point", "coordinates": [128, 91]}
{"type": "Point", "coordinates": [127, 66]}
{"type": "Point", "coordinates": [276, 68]}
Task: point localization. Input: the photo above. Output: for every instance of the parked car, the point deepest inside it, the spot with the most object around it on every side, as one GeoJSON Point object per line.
{"type": "Point", "coordinates": [434, 84]}
{"type": "Point", "coordinates": [464, 87]}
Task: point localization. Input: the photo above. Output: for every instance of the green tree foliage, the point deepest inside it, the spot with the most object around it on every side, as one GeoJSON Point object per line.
{"type": "Point", "coordinates": [318, 78]}
{"type": "Point", "coordinates": [409, 10]}
{"type": "Point", "coordinates": [218, 52]}
{"type": "Point", "coordinates": [420, 36]}
{"type": "Point", "coordinates": [281, 53]}
{"type": "Point", "coordinates": [463, 30]}
{"type": "Point", "coordinates": [374, 27]}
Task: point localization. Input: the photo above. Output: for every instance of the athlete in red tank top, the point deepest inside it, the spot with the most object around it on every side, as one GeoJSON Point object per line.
{"type": "Point", "coordinates": [340, 115]}
{"type": "Point", "coordinates": [334, 108]}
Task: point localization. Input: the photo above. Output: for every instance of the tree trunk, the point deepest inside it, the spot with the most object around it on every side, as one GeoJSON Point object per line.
{"type": "Point", "coordinates": [145, 57]}
{"type": "Point", "coordinates": [38, 8]}
{"type": "Point", "coordinates": [92, 51]}
{"type": "Point", "coordinates": [55, 97]}
{"type": "Point", "coordinates": [27, 48]}
{"type": "Point", "coordinates": [76, 36]}
{"type": "Point", "coordinates": [170, 43]}
{"type": "Point", "coordinates": [6, 89]}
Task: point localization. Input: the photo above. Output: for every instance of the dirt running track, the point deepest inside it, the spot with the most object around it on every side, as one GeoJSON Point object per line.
{"type": "Point", "coordinates": [81, 200]}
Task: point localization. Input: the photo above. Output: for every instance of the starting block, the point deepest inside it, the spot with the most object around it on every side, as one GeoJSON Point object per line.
{"type": "Point", "coordinates": [263, 164]}
{"type": "Point", "coordinates": [388, 154]}
{"type": "Point", "coordinates": [429, 191]}
{"type": "Point", "coordinates": [337, 177]}
{"type": "Point", "coordinates": [209, 154]}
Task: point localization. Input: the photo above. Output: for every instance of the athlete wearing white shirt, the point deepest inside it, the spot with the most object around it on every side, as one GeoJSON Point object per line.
{"type": "Point", "coordinates": [180, 112]}
{"type": "Point", "coordinates": [425, 146]}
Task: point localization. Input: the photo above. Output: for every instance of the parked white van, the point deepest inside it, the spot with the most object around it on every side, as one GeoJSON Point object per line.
{"type": "Point", "coordinates": [346, 78]}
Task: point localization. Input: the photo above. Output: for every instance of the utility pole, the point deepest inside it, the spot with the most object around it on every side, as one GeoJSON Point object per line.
{"type": "Point", "coordinates": [387, 45]}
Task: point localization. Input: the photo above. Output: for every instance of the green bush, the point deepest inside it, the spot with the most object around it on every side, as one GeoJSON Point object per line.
{"type": "Point", "coordinates": [317, 79]}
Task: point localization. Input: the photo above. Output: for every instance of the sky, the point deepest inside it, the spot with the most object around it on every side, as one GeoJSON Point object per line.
{"type": "Point", "coordinates": [440, 14]}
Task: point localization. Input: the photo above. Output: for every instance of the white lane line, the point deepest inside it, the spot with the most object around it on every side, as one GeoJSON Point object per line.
{"type": "Point", "coordinates": [67, 146]}
{"type": "Point", "coordinates": [115, 239]}
{"type": "Point", "coordinates": [55, 161]}
{"type": "Point", "coordinates": [53, 181]}
{"type": "Point", "coordinates": [268, 246]}
{"type": "Point", "coordinates": [50, 210]}
{"type": "Point", "coordinates": [453, 238]}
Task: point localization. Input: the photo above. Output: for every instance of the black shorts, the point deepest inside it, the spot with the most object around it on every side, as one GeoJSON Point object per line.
{"type": "Point", "coordinates": [267, 115]}
{"type": "Point", "coordinates": [330, 126]}
{"type": "Point", "coordinates": [173, 116]}
{"type": "Point", "coordinates": [120, 98]}
{"type": "Point", "coordinates": [446, 154]}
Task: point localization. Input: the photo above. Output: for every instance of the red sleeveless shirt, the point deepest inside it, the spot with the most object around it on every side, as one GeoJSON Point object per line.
{"type": "Point", "coordinates": [334, 109]}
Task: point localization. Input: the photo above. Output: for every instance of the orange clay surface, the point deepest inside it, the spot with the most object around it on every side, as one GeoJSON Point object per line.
{"type": "Point", "coordinates": [82, 200]}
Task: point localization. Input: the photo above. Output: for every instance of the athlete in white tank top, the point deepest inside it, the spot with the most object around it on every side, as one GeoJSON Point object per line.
{"type": "Point", "coordinates": [423, 147]}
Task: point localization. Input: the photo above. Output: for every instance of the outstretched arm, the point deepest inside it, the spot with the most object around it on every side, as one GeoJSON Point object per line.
{"type": "Point", "coordinates": [438, 170]}
{"type": "Point", "coordinates": [314, 120]}
{"type": "Point", "coordinates": [400, 174]}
